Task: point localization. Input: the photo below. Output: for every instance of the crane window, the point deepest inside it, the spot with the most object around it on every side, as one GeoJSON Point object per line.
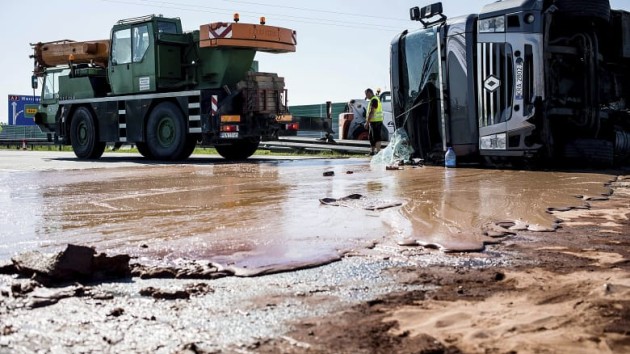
{"type": "Point", "coordinates": [121, 47]}
{"type": "Point", "coordinates": [167, 27]}
{"type": "Point", "coordinates": [51, 84]}
{"type": "Point", "coordinates": [140, 42]}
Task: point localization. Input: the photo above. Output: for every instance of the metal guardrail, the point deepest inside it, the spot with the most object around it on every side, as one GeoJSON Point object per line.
{"type": "Point", "coordinates": [22, 135]}
{"type": "Point", "coordinates": [22, 132]}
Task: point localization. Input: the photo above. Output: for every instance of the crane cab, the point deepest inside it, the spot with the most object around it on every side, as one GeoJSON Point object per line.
{"type": "Point", "coordinates": [146, 54]}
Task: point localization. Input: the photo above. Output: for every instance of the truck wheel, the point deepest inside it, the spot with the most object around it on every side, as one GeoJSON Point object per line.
{"type": "Point", "coordinates": [143, 149]}
{"type": "Point", "coordinates": [191, 144]}
{"type": "Point", "coordinates": [585, 8]}
{"type": "Point", "coordinates": [239, 150]}
{"type": "Point", "coordinates": [83, 135]}
{"type": "Point", "coordinates": [166, 132]}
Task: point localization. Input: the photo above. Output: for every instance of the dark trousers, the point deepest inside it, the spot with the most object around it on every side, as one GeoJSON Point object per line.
{"type": "Point", "coordinates": [375, 132]}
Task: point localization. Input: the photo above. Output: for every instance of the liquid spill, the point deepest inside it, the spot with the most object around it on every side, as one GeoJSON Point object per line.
{"type": "Point", "coordinates": [261, 216]}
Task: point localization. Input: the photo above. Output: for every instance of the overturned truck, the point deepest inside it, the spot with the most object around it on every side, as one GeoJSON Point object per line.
{"type": "Point", "coordinates": [523, 80]}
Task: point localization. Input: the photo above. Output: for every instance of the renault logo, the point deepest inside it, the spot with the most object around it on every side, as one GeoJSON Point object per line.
{"type": "Point", "coordinates": [492, 83]}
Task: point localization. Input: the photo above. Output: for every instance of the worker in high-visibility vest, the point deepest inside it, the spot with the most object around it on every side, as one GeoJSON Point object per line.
{"type": "Point", "coordinates": [374, 120]}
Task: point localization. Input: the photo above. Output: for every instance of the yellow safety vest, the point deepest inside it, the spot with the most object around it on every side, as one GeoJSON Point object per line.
{"type": "Point", "coordinates": [378, 113]}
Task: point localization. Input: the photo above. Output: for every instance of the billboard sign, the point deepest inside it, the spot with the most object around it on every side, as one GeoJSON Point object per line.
{"type": "Point", "coordinates": [22, 109]}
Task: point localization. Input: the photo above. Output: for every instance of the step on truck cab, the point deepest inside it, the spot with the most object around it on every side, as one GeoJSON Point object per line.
{"type": "Point", "coordinates": [521, 80]}
{"type": "Point", "coordinates": [164, 90]}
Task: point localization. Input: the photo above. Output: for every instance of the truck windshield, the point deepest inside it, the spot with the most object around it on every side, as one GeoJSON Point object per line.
{"type": "Point", "coordinates": [420, 66]}
{"type": "Point", "coordinates": [51, 84]}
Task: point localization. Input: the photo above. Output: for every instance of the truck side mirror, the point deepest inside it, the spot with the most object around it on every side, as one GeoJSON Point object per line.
{"type": "Point", "coordinates": [431, 10]}
{"type": "Point", "coordinates": [34, 82]}
{"type": "Point", "coordinates": [424, 14]}
{"type": "Point", "coordinates": [414, 13]}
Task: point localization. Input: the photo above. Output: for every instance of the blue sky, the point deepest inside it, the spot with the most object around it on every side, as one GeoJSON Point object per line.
{"type": "Point", "coordinates": [343, 46]}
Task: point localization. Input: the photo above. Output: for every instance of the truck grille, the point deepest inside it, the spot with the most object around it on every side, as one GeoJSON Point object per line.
{"type": "Point", "coordinates": [495, 82]}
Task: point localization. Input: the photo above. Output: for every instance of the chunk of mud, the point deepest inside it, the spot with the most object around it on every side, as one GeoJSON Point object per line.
{"type": "Point", "coordinates": [7, 267]}
{"type": "Point", "coordinates": [101, 295]}
{"type": "Point", "coordinates": [197, 348]}
{"type": "Point", "coordinates": [38, 303]}
{"type": "Point", "coordinates": [519, 225]}
{"type": "Point", "coordinates": [43, 297]}
{"type": "Point", "coordinates": [162, 294]}
{"type": "Point", "coordinates": [114, 267]}
{"type": "Point", "coordinates": [157, 273]}
{"type": "Point", "coordinates": [560, 209]}
{"type": "Point", "coordinates": [75, 263]}
{"type": "Point", "coordinates": [7, 330]}
{"type": "Point", "coordinates": [541, 228]}
{"type": "Point", "coordinates": [594, 198]}
{"type": "Point", "coordinates": [116, 312]}
{"type": "Point", "coordinates": [359, 201]}
{"type": "Point", "coordinates": [199, 289]}
{"type": "Point", "coordinates": [184, 271]}
{"type": "Point", "coordinates": [495, 230]}
{"type": "Point", "coordinates": [245, 272]}
{"type": "Point", "coordinates": [407, 242]}
{"type": "Point", "coordinates": [506, 224]}
{"type": "Point", "coordinates": [23, 288]}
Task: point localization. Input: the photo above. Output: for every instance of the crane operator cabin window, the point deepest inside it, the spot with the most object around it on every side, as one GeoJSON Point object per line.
{"type": "Point", "coordinates": [140, 42]}
{"type": "Point", "coordinates": [121, 47]}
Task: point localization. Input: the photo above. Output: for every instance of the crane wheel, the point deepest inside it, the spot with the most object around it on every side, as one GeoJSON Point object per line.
{"type": "Point", "coordinates": [166, 132]}
{"type": "Point", "coordinates": [239, 150]}
{"type": "Point", "coordinates": [84, 136]}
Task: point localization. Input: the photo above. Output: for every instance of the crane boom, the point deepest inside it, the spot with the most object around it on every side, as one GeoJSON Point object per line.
{"type": "Point", "coordinates": [57, 53]}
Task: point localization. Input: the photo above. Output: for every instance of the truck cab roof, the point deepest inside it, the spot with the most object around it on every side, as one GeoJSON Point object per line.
{"type": "Point", "coordinates": [171, 25]}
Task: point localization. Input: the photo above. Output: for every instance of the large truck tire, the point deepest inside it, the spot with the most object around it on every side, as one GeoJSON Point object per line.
{"type": "Point", "coordinates": [143, 149]}
{"type": "Point", "coordinates": [191, 144]}
{"type": "Point", "coordinates": [590, 152]}
{"type": "Point", "coordinates": [239, 150]}
{"type": "Point", "coordinates": [166, 132]}
{"type": "Point", "coordinates": [585, 8]}
{"type": "Point", "coordinates": [84, 136]}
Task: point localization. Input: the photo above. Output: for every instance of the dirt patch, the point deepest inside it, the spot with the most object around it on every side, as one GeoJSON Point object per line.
{"type": "Point", "coordinates": [565, 291]}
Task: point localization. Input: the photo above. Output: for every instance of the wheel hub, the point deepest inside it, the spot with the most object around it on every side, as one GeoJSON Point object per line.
{"type": "Point", "coordinates": [82, 133]}
{"type": "Point", "coordinates": [166, 131]}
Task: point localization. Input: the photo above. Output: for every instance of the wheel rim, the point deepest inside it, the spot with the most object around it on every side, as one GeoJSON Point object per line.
{"type": "Point", "coordinates": [166, 131]}
{"type": "Point", "coordinates": [82, 134]}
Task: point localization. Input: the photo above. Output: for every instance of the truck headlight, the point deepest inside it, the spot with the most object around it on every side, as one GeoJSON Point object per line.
{"type": "Point", "coordinates": [491, 25]}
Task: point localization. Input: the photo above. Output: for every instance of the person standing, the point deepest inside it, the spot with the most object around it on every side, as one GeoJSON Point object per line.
{"type": "Point", "coordinates": [374, 120]}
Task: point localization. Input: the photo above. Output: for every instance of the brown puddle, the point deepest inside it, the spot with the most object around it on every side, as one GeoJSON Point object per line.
{"type": "Point", "coordinates": [456, 209]}
{"type": "Point", "coordinates": [260, 217]}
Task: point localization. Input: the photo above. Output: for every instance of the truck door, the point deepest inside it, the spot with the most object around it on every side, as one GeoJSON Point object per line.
{"type": "Point", "coordinates": [120, 71]}
{"type": "Point", "coordinates": [143, 62]}
{"type": "Point", "coordinates": [132, 67]}
{"type": "Point", "coordinates": [495, 84]}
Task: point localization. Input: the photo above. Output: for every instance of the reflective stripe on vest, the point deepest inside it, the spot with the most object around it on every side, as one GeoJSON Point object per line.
{"type": "Point", "coordinates": [378, 113]}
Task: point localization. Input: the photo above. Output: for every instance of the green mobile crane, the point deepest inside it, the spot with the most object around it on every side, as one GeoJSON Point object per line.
{"type": "Point", "coordinates": [164, 90]}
